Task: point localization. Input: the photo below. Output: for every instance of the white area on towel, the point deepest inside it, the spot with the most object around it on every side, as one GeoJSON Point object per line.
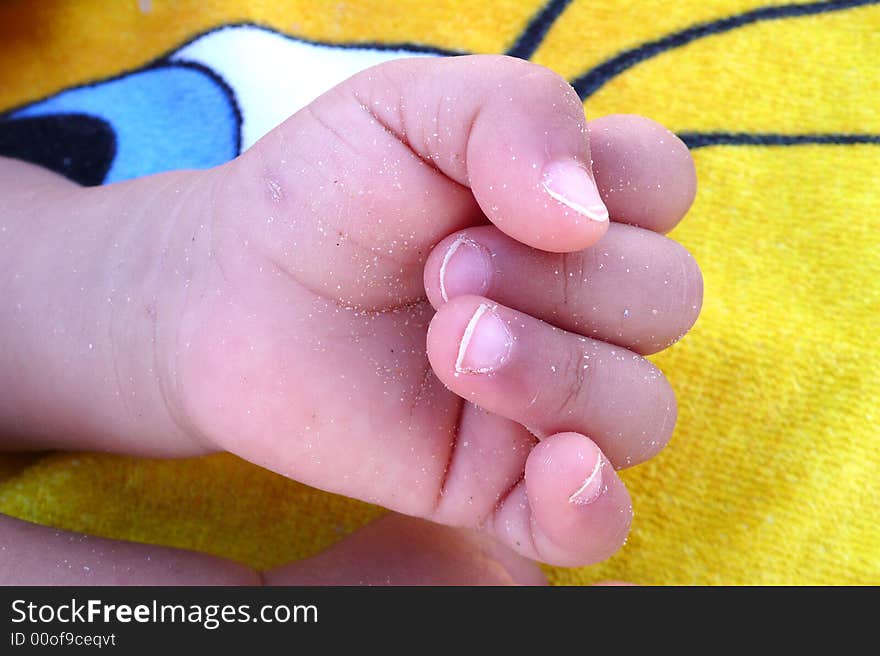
{"type": "Point", "coordinates": [274, 76]}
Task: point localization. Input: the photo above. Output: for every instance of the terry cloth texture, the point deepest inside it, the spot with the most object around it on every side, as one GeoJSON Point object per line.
{"type": "Point", "coordinates": [772, 474]}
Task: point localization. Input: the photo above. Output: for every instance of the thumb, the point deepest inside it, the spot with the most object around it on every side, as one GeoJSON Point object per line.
{"type": "Point", "coordinates": [512, 131]}
{"type": "Point", "coordinates": [376, 171]}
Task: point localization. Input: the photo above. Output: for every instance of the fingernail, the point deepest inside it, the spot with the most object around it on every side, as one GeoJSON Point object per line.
{"type": "Point", "coordinates": [485, 345]}
{"type": "Point", "coordinates": [592, 487]}
{"type": "Point", "coordinates": [569, 183]}
{"type": "Point", "coordinates": [466, 269]}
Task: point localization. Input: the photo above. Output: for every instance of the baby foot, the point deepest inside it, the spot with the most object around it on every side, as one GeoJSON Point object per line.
{"type": "Point", "coordinates": [278, 307]}
{"type": "Point", "coordinates": [392, 550]}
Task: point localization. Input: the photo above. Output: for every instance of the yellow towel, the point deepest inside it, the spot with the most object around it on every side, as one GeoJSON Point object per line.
{"type": "Point", "coordinates": [772, 473]}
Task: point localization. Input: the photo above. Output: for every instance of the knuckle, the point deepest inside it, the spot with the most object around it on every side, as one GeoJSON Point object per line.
{"type": "Point", "coordinates": [536, 79]}
{"type": "Point", "coordinates": [573, 389]}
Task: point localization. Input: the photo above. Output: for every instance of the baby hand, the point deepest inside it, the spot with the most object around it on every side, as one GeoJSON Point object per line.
{"type": "Point", "coordinates": [279, 306]}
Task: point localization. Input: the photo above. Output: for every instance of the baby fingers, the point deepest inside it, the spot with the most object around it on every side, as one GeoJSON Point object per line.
{"type": "Point", "coordinates": [635, 288]}
{"type": "Point", "coordinates": [551, 380]}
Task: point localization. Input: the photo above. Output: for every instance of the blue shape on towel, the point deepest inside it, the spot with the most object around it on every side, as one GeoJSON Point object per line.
{"type": "Point", "coordinates": [168, 117]}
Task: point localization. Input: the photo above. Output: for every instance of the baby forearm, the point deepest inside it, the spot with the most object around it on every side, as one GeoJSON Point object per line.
{"type": "Point", "coordinates": [79, 274]}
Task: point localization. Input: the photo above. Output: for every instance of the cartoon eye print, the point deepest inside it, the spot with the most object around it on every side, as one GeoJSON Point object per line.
{"type": "Point", "coordinates": [205, 102]}
{"type": "Point", "coordinates": [198, 107]}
